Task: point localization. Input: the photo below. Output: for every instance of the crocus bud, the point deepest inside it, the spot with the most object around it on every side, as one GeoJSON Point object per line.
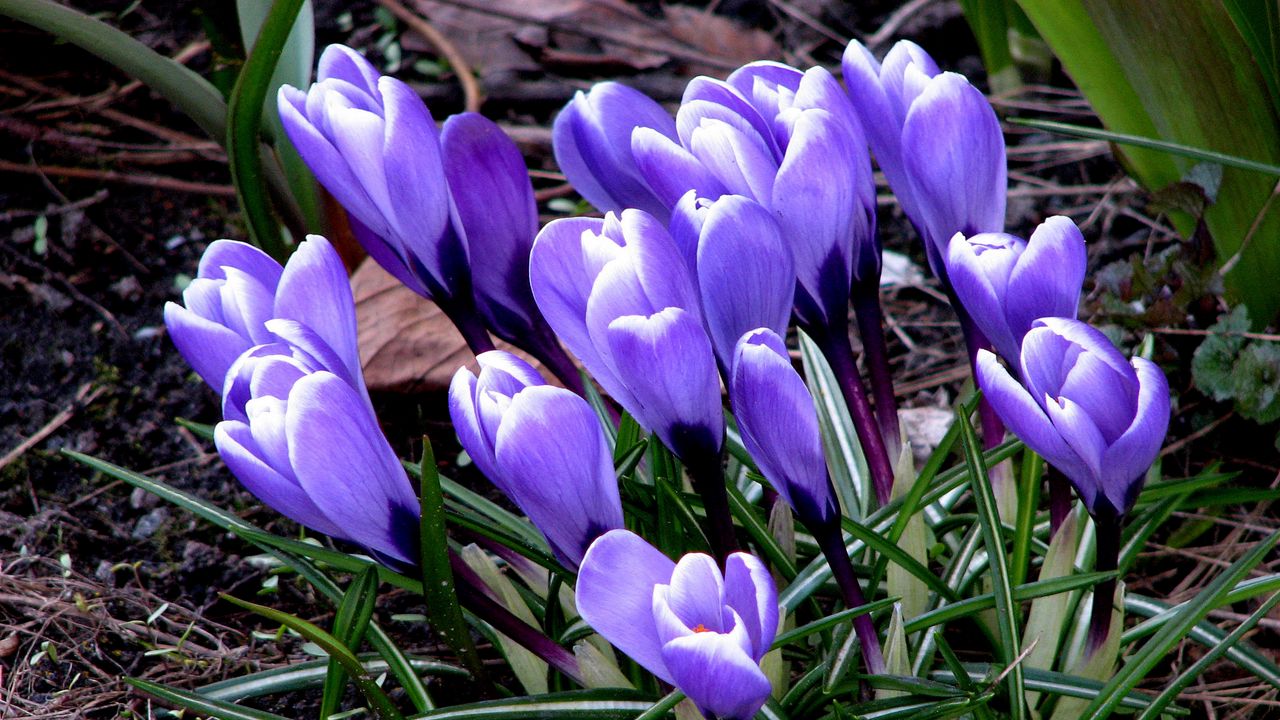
{"type": "Point", "coordinates": [591, 138]}
{"type": "Point", "coordinates": [741, 264]}
{"type": "Point", "coordinates": [779, 426]}
{"type": "Point", "coordinates": [1093, 415]}
{"type": "Point", "coordinates": [310, 447]}
{"type": "Point", "coordinates": [703, 632]}
{"type": "Point", "coordinates": [616, 291]}
{"type": "Point", "coordinates": [1006, 283]}
{"type": "Point", "coordinates": [494, 198]}
{"type": "Point", "coordinates": [238, 289]}
{"type": "Point", "coordinates": [372, 143]}
{"type": "Point", "coordinates": [937, 140]}
{"type": "Point", "coordinates": [542, 446]}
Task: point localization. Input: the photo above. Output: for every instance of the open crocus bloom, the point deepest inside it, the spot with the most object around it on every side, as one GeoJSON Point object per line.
{"type": "Point", "coordinates": [1095, 416]}
{"type": "Point", "coordinates": [686, 623]}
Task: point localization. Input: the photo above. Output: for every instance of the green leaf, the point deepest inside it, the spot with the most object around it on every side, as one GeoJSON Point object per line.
{"type": "Point", "coordinates": [662, 707]}
{"type": "Point", "coordinates": [830, 621]}
{"type": "Point", "coordinates": [1171, 690]}
{"type": "Point", "coordinates": [349, 626]}
{"type": "Point", "coordinates": [1257, 382]}
{"type": "Point", "coordinates": [219, 709]}
{"type": "Point", "coordinates": [1054, 683]}
{"type": "Point", "coordinates": [1175, 629]}
{"type": "Point", "coordinates": [244, 119]}
{"type": "Point", "coordinates": [307, 675]}
{"type": "Point", "coordinates": [840, 444]}
{"type": "Point", "coordinates": [374, 695]}
{"type": "Point", "coordinates": [443, 610]}
{"type": "Point", "coordinates": [759, 533]}
{"type": "Point", "coordinates": [993, 539]}
{"type": "Point", "coordinates": [613, 704]}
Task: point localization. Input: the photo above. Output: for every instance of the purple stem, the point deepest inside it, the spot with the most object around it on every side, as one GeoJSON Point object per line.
{"type": "Point", "coordinates": [870, 316]}
{"type": "Point", "coordinates": [836, 348]}
{"type": "Point", "coordinates": [708, 480]}
{"type": "Point", "coordinates": [831, 542]}
{"type": "Point", "coordinates": [464, 317]}
{"type": "Point", "coordinates": [1059, 499]}
{"type": "Point", "coordinates": [471, 592]}
{"type": "Point", "coordinates": [548, 352]}
{"type": "Point", "coordinates": [1107, 529]}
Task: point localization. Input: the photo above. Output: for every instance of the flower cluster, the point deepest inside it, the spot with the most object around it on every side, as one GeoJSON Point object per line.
{"type": "Point", "coordinates": [750, 210]}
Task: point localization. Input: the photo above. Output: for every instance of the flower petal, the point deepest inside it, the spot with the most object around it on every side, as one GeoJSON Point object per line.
{"type": "Point", "coordinates": [750, 591]}
{"type": "Point", "coordinates": [1132, 453]}
{"type": "Point", "coordinates": [615, 595]}
{"type": "Point", "coordinates": [670, 169]}
{"type": "Point", "coordinates": [1023, 415]}
{"type": "Point", "coordinates": [208, 347]}
{"type": "Point", "coordinates": [717, 675]}
{"type": "Point", "coordinates": [696, 594]}
{"type": "Point", "coordinates": [315, 291]}
{"type": "Point", "coordinates": [978, 269]}
{"type": "Point", "coordinates": [1047, 279]}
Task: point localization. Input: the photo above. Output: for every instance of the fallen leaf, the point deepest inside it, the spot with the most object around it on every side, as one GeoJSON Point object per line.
{"type": "Point", "coordinates": [407, 344]}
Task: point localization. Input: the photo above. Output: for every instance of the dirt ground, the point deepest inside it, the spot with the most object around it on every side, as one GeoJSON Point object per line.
{"type": "Point", "coordinates": [108, 197]}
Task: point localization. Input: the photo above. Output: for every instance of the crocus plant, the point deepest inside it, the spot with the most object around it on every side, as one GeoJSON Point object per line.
{"type": "Point", "coordinates": [751, 210]}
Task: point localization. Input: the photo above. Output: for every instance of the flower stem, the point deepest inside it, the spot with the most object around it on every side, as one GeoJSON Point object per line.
{"type": "Point", "coordinates": [1107, 528]}
{"type": "Point", "coordinates": [1059, 499]}
{"type": "Point", "coordinates": [831, 542]}
{"type": "Point", "coordinates": [472, 594]}
{"type": "Point", "coordinates": [838, 351]}
{"type": "Point", "coordinates": [548, 351]}
{"type": "Point", "coordinates": [870, 316]}
{"type": "Point", "coordinates": [464, 317]}
{"type": "Point", "coordinates": [708, 480]}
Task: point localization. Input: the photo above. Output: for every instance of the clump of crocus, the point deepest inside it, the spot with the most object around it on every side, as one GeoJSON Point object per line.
{"type": "Point", "coordinates": [543, 447]}
{"type": "Point", "coordinates": [617, 293]}
{"type": "Point", "coordinates": [298, 428]}
{"type": "Point", "coordinates": [779, 426]}
{"type": "Point", "coordinates": [702, 631]}
{"type": "Point", "coordinates": [1097, 417]}
{"type": "Point", "coordinates": [1006, 283]}
{"type": "Point", "coordinates": [937, 140]}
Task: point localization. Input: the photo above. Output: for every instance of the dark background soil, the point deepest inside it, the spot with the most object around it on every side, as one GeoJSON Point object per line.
{"type": "Point", "coordinates": [86, 265]}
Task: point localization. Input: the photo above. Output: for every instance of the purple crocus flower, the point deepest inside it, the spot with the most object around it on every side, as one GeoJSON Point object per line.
{"type": "Point", "coordinates": [238, 289]}
{"type": "Point", "coordinates": [591, 138]}
{"type": "Point", "coordinates": [542, 446]}
{"type": "Point", "coordinates": [741, 264]}
{"type": "Point", "coordinates": [685, 622]}
{"type": "Point", "coordinates": [616, 291]}
{"type": "Point", "coordinates": [1005, 283]}
{"type": "Point", "coordinates": [937, 140]}
{"type": "Point", "coordinates": [372, 143]}
{"type": "Point", "coordinates": [307, 443]}
{"type": "Point", "coordinates": [779, 426]}
{"type": "Point", "coordinates": [1095, 416]}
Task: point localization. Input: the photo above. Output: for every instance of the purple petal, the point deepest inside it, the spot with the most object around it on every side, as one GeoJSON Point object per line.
{"type": "Point", "coordinates": [358, 136]}
{"type": "Point", "coordinates": [1090, 339]}
{"type": "Point", "coordinates": [345, 465]}
{"type": "Point", "coordinates": [877, 113]}
{"type": "Point", "coordinates": [717, 675]}
{"type": "Point", "coordinates": [953, 152]}
{"type": "Point", "coordinates": [905, 58]}
{"type": "Point", "coordinates": [749, 590]}
{"type": "Point", "coordinates": [687, 219]}
{"type": "Point", "coordinates": [238, 449]}
{"type": "Point", "coordinates": [741, 161]}
{"type": "Point", "coordinates": [1047, 279]}
{"type": "Point", "coordinates": [1132, 453]}
{"type": "Point", "coordinates": [208, 347]}
{"type": "Point", "coordinates": [466, 423]}
{"type": "Point", "coordinates": [1046, 359]}
{"type": "Point", "coordinates": [696, 594]}
{"type": "Point", "coordinates": [779, 425]}
{"type": "Point", "coordinates": [247, 258]}
{"type": "Point", "coordinates": [246, 305]}
{"type": "Point", "coordinates": [670, 369]}
{"type": "Point", "coordinates": [769, 85]}
{"type": "Point", "coordinates": [703, 92]}
{"type": "Point", "coordinates": [978, 269]}
{"type": "Point", "coordinates": [615, 595]}
{"type": "Point", "coordinates": [344, 63]}
{"type": "Point", "coordinates": [302, 338]}
{"type": "Point", "coordinates": [1079, 431]}
{"type": "Point", "coordinates": [315, 291]}
{"type": "Point", "coordinates": [1023, 415]}
{"type": "Point", "coordinates": [490, 185]}
{"type": "Point", "coordinates": [745, 273]}
{"type": "Point", "coordinates": [670, 169]}
{"type": "Point", "coordinates": [1107, 398]}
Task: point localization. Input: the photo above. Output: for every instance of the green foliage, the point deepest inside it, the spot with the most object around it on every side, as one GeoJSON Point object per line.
{"type": "Point", "coordinates": [1228, 365]}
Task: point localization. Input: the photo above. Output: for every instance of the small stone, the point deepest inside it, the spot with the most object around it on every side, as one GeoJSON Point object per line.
{"type": "Point", "coordinates": [148, 524]}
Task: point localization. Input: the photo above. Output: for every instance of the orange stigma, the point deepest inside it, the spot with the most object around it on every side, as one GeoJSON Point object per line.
{"type": "Point", "coordinates": [701, 628]}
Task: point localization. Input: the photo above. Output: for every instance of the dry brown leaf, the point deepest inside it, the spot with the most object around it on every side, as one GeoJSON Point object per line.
{"type": "Point", "coordinates": [407, 344]}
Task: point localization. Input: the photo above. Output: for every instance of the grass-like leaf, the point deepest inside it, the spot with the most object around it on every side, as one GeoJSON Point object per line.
{"type": "Point", "coordinates": [993, 538]}
{"type": "Point", "coordinates": [374, 695]}
{"type": "Point", "coordinates": [759, 532]}
{"type": "Point", "coordinates": [839, 437]}
{"type": "Point", "coordinates": [1021, 593]}
{"type": "Point", "coordinates": [610, 704]}
{"type": "Point", "coordinates": [664, 706]}
{"type": "Point", "coordinates": [1054, 683]}
{"type": "Point", "coordinates": [831, 621]}
{"type": "Point", "coordinates": [219, 709]}
{"type": "Point", "coordinates": [311, 674]}
{"type": "Point", "coordinates": [1175, 629]}
{"type": "Point", "coordinates": [349, 626]}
